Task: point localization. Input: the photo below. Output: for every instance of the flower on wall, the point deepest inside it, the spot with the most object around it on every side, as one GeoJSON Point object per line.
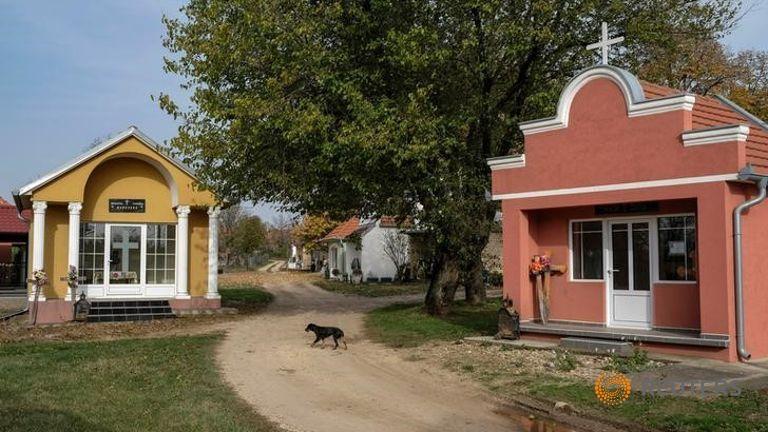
{"type": "Point", "coordinates": [40, 277]}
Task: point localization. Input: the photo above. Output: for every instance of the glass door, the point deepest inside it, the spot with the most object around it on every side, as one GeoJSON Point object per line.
{"type": "Point", "coordinates": [124, 259]}
{"type": "Point", "coordinates": [629, 273]}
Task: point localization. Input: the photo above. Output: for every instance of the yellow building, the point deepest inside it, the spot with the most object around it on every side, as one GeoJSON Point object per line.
{"type": "Point", "coordinates": [132, 221]}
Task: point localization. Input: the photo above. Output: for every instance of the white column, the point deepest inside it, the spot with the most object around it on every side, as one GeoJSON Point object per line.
{"type": "Point", "coordinates": [73, 257]}
{"type": "Point", "coordinates": [213, 253]}
{"type": "Point", "coordinates": [38, 241]}
{"type": "Point", "coordinates": [182, 252]}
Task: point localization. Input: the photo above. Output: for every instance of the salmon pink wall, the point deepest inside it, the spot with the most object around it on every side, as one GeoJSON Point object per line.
{"type": "Point", "coordinates": [676, 305]}
{"type": "Point", "coordinates": [569, 301]}
{"type": "Point", "coordinates": [524, 236]}
{"type": "Point", "coordinates": [602, 145]}
{"type": "Point", "coordinates": [755, 253]}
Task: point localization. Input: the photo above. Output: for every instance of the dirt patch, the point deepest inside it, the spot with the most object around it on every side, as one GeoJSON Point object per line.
{"type": "Point", "coordinates": [367, 388]}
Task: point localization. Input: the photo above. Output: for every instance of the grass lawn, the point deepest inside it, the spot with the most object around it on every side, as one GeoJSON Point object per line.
{"type": "Point", "coordinates": [513, 372]}
{"type": "Point", "coordinates": [381, 289]}
{"type": "Point", "coordinates": [747, 413]}
{"type": "Point", "coordinates": [245, 297]}
{"type": "Point", "coordinates": [168, 384]}
{"type": "Point", "coordinates": [406, 325]}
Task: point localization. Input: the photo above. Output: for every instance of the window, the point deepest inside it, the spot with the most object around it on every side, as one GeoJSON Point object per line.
{"type": "Point", "coordinates": [587, 243]}
{"type": "Point", "coordinates": [677, 248]}
{"type": "Point", "coordinates": [91, 257]}
{"type": "Point", "coordinates": [161, 254]}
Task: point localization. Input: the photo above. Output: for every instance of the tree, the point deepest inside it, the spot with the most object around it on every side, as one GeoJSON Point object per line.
{"type": "Point", "coordinates": [312, 228]}
{"type": "Point", "coordinates": [707, 67]}
{"type": "Point", "coordinates": [391, 108]}
{"type": "Point", "coordinates": [229, 219]}
{"type": "Point", "coordinates": [248, 236]}
{"type": "Point", "coordinates": [395, 246]}
{"type": "Point", "coordinates": [279, 236]}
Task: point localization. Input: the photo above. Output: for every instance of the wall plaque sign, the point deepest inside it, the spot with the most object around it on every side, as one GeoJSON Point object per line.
{"type": "Point", "coordinates": [638, 207]}
{"type": "Point", "coordinates": [127, 206]}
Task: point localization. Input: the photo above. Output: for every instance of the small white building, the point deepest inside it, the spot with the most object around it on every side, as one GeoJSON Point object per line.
{"type": "Point", "coordinates": [362, 244]}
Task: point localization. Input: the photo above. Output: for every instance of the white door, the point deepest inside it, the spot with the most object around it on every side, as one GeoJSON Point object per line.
{"type": "Point", "coordinates": [124, 260]}
{"type": "Point", "coordinates": [629, 273]}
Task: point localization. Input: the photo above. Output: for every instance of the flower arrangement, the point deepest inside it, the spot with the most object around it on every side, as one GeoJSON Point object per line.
{"type": "Point", "coordinates": [40, 277]}
{"type": "Point", "coordinates": [540, 264]}
{"type": "Point", "coordinates": [72, 277]}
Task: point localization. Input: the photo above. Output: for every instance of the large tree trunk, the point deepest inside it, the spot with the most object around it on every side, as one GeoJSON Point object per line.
{"type": "Point", "coordinates": [474, 285]}
{"type": "Point", "coordinates": [443, 283]}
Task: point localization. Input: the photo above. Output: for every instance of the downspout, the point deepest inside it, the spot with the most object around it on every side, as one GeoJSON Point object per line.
{"type": "Point", "coordinates": [761, 182]}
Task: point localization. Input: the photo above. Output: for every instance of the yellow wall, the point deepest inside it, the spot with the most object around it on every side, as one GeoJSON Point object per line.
{"type": "Point", "coordinates": [127, 178]}
{"type": "Point", "coordinates": [71, 185]}
{"type": "Point", "coordinates": [198, 253]}
{"type": "Point", "coordinates": [56, 234]}
{"type": "Point", "coordinates": [124, 171]}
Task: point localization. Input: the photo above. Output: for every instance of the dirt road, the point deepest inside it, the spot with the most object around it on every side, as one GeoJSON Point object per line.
{"type": "Point", "coordinates": [367, 388]}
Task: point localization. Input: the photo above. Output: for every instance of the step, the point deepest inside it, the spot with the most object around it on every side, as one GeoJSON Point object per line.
{"type": "Point", "coordinates": [599, 346]}
{"type": "Point", "coordinates": [129, 310]}
{"type": "Point", "coordinates": [128, 317]}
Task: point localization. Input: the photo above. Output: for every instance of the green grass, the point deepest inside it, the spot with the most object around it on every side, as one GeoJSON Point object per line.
{"type": "Point", "coordinates": [168, 384]}
{"type": "Point", "coordinates": [381, 289]}
{"type": "Point", "coordinates": [245, 298]}
{"type": "Point", "coordinates": [747, 413]}
{"type": "Point", "coordinates": [406, 325]}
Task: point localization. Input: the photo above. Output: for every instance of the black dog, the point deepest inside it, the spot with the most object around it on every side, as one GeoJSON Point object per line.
{"type": "Point", "coordinates": [323, 332]}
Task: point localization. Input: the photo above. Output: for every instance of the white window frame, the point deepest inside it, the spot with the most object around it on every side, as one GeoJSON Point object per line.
{"type": "Point", "coordinates": [655, 249]}
{"type": "Point", "coordinates": [149, 291]}
{"type": "Point", "coordinates": [571, 277]}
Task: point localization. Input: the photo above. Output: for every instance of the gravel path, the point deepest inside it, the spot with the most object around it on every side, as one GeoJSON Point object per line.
{"type": "Point", "coordinates": [368, 388]}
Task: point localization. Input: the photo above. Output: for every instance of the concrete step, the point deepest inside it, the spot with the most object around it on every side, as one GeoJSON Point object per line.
{"type": "Point", "coordinates": [597, 346]}
{"type": "Point", "coordinates": [129, 310]}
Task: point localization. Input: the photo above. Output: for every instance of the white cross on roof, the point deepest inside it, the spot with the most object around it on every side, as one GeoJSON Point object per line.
{"type": "Point", "coordinates": [605, 44]}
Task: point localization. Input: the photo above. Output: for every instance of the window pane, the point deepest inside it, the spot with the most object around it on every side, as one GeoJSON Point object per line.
{"type": "Point", "coordinates": [577, 254]}
{"type": "Point", "coordinates": [160, 256]}
{"type": "Point", "coordinates": [587, 244]}
{"type": "Point", "coordinates": [593, 256]}
{"type": "Point", "coordinates": [677, 248]}
{"type": "Point", "coordinates": [91, 256]}
{"type": "Point", "coordinates": [169, 276]}
{"type": "Point", "coordinates": [641, 271]}
{"type": "Point", "coordinates": [620, 248]}
{"type": "Point", "coordinates": [592, 226]}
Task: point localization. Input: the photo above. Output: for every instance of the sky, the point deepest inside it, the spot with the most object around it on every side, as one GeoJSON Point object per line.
{"type": "Point", "coordinates": [73, 71]}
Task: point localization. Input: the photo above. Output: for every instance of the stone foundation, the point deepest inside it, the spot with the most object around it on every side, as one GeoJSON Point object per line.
{"type": "Point", "coordinates": [55, 311]}
{"type": "Point", "coordinates": [195, 303]}
{"type": "Point", "coordinates": [51, 311]}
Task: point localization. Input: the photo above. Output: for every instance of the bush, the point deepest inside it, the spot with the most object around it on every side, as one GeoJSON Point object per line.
{"type": "Point", "coordinates": [637, 362]}
{"type": "Point", "coordinates": [495, 279]}
{"type": "Point", "coordinates": [565, 361]}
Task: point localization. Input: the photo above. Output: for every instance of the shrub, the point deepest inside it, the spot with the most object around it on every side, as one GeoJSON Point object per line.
{"type": "Point", "coordinates": [565, 361]}
{"type": "Point", "coordinates": [495, 279]}
{"type": "Point", "coordinates": [637, 362]}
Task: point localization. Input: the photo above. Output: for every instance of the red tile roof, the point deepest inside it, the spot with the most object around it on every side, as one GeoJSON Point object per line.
{"type": "Point", "coordinates": [9, 219]}
{"type": "Point", "coordinates": [709, 112]}
{"type": "Point", "coordinates": [353, 225]}
{"type": "Point", "coordinates": [343, 230]}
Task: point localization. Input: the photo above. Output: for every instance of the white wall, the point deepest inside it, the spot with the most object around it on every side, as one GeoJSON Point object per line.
{"type": "Point", "coordinates": [375, 263]}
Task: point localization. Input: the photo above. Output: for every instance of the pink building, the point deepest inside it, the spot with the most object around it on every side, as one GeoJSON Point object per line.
{"type": "Point", "coordinates": [639, 189]}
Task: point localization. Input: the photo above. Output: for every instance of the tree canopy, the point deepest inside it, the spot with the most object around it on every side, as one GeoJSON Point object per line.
{"type": "Point", "coordinates": [375, 107]}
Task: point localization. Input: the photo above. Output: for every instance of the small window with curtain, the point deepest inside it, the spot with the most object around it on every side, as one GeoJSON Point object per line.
{"type": "Point", "coordinates": [161, 254]}
{"type": "Point", "coordinates": [677, 249]}
{"type": "Point", "coordinates": [587, 252]}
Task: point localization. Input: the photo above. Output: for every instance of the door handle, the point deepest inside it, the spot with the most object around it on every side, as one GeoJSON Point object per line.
{"type": "Point", "coordinates": [612, 271]}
